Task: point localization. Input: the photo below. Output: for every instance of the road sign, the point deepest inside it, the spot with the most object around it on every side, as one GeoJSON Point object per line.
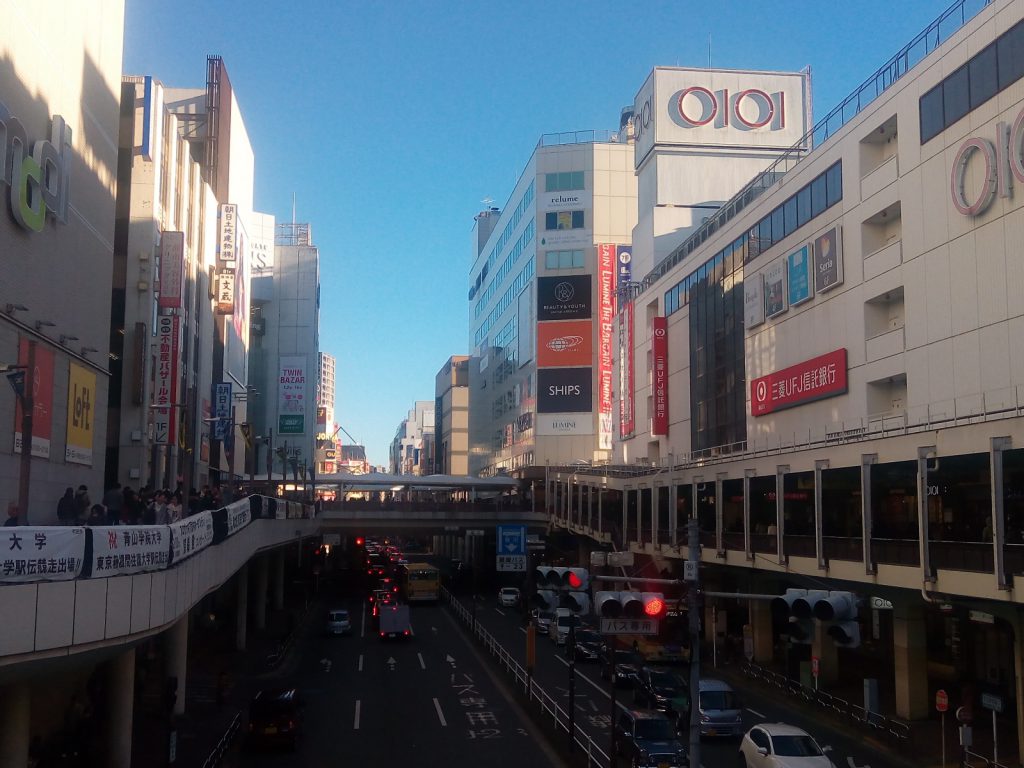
{"type": "Point", "coordinates": [941, 701]}
{"type": "Point", "coordinates": [815, 666]}
{"type": "Point", "coordinates": [992, 702]}
{"type": "Point", "coordinates": [512, 540]}
{"type": "Point", "coordinates": [624, 626]}
{"type": "Point", "coordinates": [689, 570]}
{"type": "Point", "coordinates": [506, 563]}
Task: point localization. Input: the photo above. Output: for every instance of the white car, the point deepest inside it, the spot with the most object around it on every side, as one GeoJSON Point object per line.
{"type": "Point", "coordinates": [508, 597]}
{"type": "Point", "coordinates": [777, 745]}
{"type": "Point", "coordinates": [338, 622]}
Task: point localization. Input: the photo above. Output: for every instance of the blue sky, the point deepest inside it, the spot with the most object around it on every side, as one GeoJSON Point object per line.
{"type": "Point", "coordinates": [391, 122]}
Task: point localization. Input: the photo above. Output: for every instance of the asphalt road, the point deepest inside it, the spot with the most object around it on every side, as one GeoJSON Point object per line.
{"type": "Point", "coordinates": [428, 700]}
{"type": "Point", "coordinates": [593, 698]}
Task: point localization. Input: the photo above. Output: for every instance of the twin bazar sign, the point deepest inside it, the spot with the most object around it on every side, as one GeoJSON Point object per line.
{"type": "Point", "coordinates": [38, 178]}
{"type": "Point", "coordinates": [1003, 161]}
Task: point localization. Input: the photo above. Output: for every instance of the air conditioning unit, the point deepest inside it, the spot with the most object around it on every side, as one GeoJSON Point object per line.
{"type": "Point", "coordinates": [136, 435]}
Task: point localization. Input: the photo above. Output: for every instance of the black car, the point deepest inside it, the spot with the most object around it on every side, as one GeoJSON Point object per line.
{"type": "Point", "coordinates": [648, 739]}
{"type": "Point", "coordinates": [275, 718]}
{"type": "Point", "coordinates": [661, 689]}
{"type": "Point", "coordinates": [622, 672]}
{"type": "Point", "coordinates": [589, 645]}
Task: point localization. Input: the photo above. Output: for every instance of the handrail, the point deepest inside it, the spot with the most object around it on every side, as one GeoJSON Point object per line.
{"type": "Point", "coordinates": [217, 753]}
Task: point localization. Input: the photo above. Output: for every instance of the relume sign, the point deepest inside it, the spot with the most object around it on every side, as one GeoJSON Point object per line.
{"type": "Point", "coordinates": [38, 178]}
{"type": "Point", "coordinates": [1003, 159]}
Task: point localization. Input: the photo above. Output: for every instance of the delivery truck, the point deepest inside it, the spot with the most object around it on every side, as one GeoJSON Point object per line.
{"type": "Point", "coordinates": [393, 621]}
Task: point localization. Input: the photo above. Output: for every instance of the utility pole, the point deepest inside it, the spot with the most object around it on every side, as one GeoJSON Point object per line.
{"type": "Point", "coordinates": [570, 644]}
{"type": "Point", "coordinates": [693, 582]}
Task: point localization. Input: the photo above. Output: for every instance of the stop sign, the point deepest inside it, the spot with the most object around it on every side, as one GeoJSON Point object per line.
{"type": "Point", "coordinates": [941, 701]}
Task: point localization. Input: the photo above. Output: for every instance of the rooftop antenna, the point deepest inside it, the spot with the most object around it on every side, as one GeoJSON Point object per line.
{"type": "Point", "coordinates": [488, 202]}
{"type": "Point", "coordinates": [709, 50]}
{"type": "Point", "coordinates": [293, 209]}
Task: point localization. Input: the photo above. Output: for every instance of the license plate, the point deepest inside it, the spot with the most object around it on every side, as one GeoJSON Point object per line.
{"type": "Point", "coordinates": [270, 731]}
{"type": "Point", "coordinates": [712, 732]}
{"type": "Point", "coordinates": [663, 765]}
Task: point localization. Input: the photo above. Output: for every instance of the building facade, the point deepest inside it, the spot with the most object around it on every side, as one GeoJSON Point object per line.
{"type": "Point", "coordinates": [451, 417]}
{"type": "Point", "coordinates": [412, 445]}
{"type": "Point", "coordinates": [541, 303]}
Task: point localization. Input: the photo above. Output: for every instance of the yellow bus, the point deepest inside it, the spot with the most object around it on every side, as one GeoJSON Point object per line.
{"type": "Point", "coordinates": [421, 582]}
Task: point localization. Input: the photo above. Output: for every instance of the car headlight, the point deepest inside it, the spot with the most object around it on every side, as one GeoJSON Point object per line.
{"type": "Point", "coordinates": [705, 719]}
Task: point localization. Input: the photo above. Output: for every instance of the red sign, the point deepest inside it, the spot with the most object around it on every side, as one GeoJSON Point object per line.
{"type": "Point", "coordinates": [941, 701]}
{"type": "Point", "coordinates": [41, 379]}
{"type": "Point", "coordinates": [606, 261]}
{"type": "Point", "coordinates": [565, 343]}
{"type": "Point", "coordinates": [815, 666]}
{"type": "Point", "coordinates": [626, 424]}
{"type": "Point", "coordinates": [172, 269]}
{"type": "Point", "coordinates": [814, 379]}
{"type": "Point", "coordinates": [165, 390]}
{"type": "Point", "coordinates": [659, 375]}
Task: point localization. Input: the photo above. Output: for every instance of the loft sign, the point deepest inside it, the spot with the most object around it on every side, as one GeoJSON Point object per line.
{"type": "Point", "coordinates": [1003, 161]}
{"type": "Point", "coordinates": [38, 178]}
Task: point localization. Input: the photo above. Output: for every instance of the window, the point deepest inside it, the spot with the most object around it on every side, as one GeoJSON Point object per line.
{"type": "Point", "coordinates": [803, 206]}
{"type": "Point", "coordinates": [818, 196]}
{"type": "Point", "coordinates": [789, 216]}
{"type": "Point", "coordinates": [564, 260]}
{"type": "Point", "coordinates": [778, 226]}
{"type": "Point", "coordinates": [984, 80]}
{"type": "Point", "coordinates": [563, 182]}
{"type": "Point", "coordinates": [1010, 55]}
{"type": "Point", "coordinates": [833, 185]}
{"type": "Point", "coordinates": [931, 114]}
{"type": "Point", "coordinates": [956, 96]}
{"type": "Point", "coordinates": [563, 220]}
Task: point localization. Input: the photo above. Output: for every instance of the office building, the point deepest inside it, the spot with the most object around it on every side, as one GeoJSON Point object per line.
{"type": "Point", "coordinates": [451, 417]}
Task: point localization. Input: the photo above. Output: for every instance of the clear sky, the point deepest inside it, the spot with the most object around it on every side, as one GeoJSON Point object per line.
{"type": "Point", "coordinates": [391, 122]}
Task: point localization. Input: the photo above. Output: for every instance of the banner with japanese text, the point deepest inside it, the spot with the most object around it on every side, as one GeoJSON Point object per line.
{"type": "Point", "coordinates": [606, 262]}
{"type": "Point", "coordinates": [165, 389]}
{"type": "Point", "coordinates": [191, 535]}
{"type": "Point", "coordinates": [814, 379]}
{"type": "Point", "coordinates": [239, 515]}
{"type": "Point", "coordinates": [41, 553]}
{"type": "Point", "coordinates": [626, 358]}
{"type": "Point", "coordinates": [118, 550]}
{"type": "Point", "coordinates": [659, 375]}
{"type": "Point", "coordinates": [81, 400]}
{"type": "Point", "coordinates": [41, 379]}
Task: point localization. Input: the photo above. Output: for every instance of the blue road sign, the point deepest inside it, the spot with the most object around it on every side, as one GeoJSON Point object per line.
{"type": "Point", "coordinates": [511, 539]}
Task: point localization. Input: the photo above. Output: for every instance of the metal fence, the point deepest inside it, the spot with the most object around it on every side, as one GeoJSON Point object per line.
{"type": "Point", "coordinates": [891, 728]}
{"type": "Point", "coordinates": [974, 760]}
{"type": "Point", "coordinates": [540, 701]}
{"type": "Point", "coordinates": [217, 754]}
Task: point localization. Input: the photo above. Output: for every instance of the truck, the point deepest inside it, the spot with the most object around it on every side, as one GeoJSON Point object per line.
{"type": "Point", "coordinates": [393, 621]}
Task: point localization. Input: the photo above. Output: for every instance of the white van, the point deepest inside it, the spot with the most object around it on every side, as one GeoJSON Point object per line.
{"type": "Point", "coordinates": [564, 619]}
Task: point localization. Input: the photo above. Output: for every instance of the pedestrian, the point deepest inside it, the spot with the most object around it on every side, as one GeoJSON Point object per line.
{"type": "Point", "coordinates": [82, 504]}
{"type": "Point", "coordinates": [113, 500]}
{"type": "Point", "coordinates": [12, 515]}
{"type": "Point", "coordinates": [66, 507]}
{"type": "Point", "coordinates": [174, 508]}
{"type": "Point", "coordinates": [161, 514]}
{"type": "Point", "coordinates": [97, 515]}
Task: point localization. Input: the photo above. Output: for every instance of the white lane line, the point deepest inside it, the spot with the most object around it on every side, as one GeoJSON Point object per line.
{"type": "Point", "coordinates": [362, 627]}
{"type": "Point", "coordinates": [355, 723]}
{"type": "Point", "coordinates": [756, 713]}
{"type": "Point", "coordinates": [440, 714]}
{"type": "Point", "coordinates": [566, 663]}
{"type": "Point", "coordinates": [420, 657]}
{"type": "Point", "coordinates": [498, 610]}
{"type": "Point", "coordinates": [360, 662]}
{"type": "Point", "coordinates": [523, 630]}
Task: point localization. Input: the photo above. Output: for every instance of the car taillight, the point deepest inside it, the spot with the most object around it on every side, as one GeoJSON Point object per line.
{"type": "Point", "coordinates": [406, 632]}
{"type": "Point", "coordinates": [382, 634]}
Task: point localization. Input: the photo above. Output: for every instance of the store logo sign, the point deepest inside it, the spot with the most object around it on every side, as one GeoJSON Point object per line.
{"type": "Point", "coordinates": [38, 179]}
{"type": "Point", "coordinates": [1003, 161]}
{"type": "Point", "coordinates": [746, 110]}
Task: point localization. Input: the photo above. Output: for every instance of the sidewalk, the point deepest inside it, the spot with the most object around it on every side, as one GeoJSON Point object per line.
{"type": "Point", "coordinates": [215, 671]}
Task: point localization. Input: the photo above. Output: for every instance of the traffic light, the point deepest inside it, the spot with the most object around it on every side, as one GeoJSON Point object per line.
{"type": "Point", "coordinates": [630, 605]}
{"type": "Point", "coordinates": [799, 627]}
{"type": "Point", "coordinates": [545, 599]}
{"type": "Point", "coordinates": [576, 579]}
{"type": "Point", "coordinates": [836, 609]}
{"type": "Point", "coordinates": [577, 598]}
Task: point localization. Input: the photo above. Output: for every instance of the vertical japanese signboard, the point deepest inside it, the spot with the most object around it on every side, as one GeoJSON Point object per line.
{"type": "Point", "coordinates": [172, 270]}
{"type": "Point", "coordinates": [606, 262]}
{"type": "Point", "coordinates": [221, 409]}
{"type": "Point", "coordinates": [659, 376]}
{"type": "Point", "coordinates": [166, 385]}
{"type": "Point", "coordinates": [227, 249]}
{"type": "Point", "coordinates": [626, 409]}
{"type": "Point", "coordinates": [291, 396]}
{"type": "Point", "coordinates": [81, 413]}
{"type": "Point", "coordinates": [41, 380]}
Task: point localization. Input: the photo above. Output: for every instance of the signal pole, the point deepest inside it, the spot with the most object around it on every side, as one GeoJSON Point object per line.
{"type": "Point", "coordinates": [693, 581]}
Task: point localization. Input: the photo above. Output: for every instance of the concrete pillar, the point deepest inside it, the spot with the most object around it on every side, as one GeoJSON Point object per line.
{"type": "Point", "coordinates": [761, 628]}
{"type": "Point", "coordinates": [176, 651]}
{"type": "Point", "coordinates": [120, 693]}
{"type": "Point", "coordinates": [824, 648]}
{"type": "Point", "coordinates": [260, 600]}
{"type": "Point", "coordinates": [277, 590]}
{"type": "Point", "coordinates": [15, 716]}
{"type": "Point", "coordinates": [242, 607]}
{"type": "Point", "coordinates": [910, 653]}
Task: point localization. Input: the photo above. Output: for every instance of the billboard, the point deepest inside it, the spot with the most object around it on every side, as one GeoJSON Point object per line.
{"type": "Point", "coordinates": [165, 386]}
{"type": "Point", "coordinates": [607, 261]}
{"type": "Point", "coordinates": [172, 270]}
{"type": "Point", "coordinates": [81, 415]}
{"type": "Point", "coordinates": [703, 107]}
{"type": "Point", "coordinates": [291, 395]}
{"type": "Point", "coordinates": [236, 333]}
{"type": "Point", "coordinates": [626, 409]}
{"type": "Point", "coordinates": [565, 344]}
{"type": "Point", "coordinates": [753, 300]}
{"type": "Point", "coordinates": [798, 267]}
{"type": "Point", "coordinates": [814, 379]}
{"type": "Point", "coordinates": [566, 201]}
{"type": "Point", "coordinates": [41, 380]}
{"type": "Point", "coordinates": [659, 376]}
{"type": "Point", "coordinates": [625, 260]}
{"type": "Point", "coordinates": [563, 298]}
{"type": "Point", "coordinates": [565, 390]}
{"type": "Point", "coordinates": [828, 260]}
{"type": "Point", "coordinates": [227, 246]}
{"type": "Point", "coordinates": [564, 424]}
{"type": "Point", "coordinates": [775, 289]}
{"type": "Point", "coordinates": [221, 410]}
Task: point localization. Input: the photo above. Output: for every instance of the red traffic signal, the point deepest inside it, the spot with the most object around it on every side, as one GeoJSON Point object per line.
{"type": "Point", "coordinates": [654, 604]}
{"type": "Point", "coordinates": [575, 582]}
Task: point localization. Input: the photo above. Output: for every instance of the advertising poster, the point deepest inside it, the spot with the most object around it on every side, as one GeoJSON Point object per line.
{"type": "Point", "coordinates": [227, 245]}
{"type": "Point", "coordinates": [814, 379]}
{"type": "Point", "coordinates": [659, 376]}
{"type": "Point", "coordinates": [122, 549]}
{"type": "Point", "coordinates": [606, 270]}
{"type": "Point", "coordinates": [41, 379]}
{"type": "Point", "coordinates": [291, 396]}
{"type": "Point", "coordinates": [563, 298]}
{"type": "Point", "coordinates": [564, 424]}
{"type": "Point", "coordinates": [801, 287]}
{"type": "Point", "coordinates": [191, 535]}
{"type": "Point", "coordinates": [236, 357]}
{"type": "Point", "coordinates": [221, 409]}
{"type": "Point", "coordinates": [172, 270]}
{"type": "Point", "coordinates": [753, 300]}
{"type": "Point", "coordinates": [775, 289]}
{"type": "Point", "coordinates": [565, 344]}
{"type": "Point", "coordinates": [828, 260]}
{"type": "Point", "coordinates": [239, 515]}
{"type": "Point", "coordinates": [165, 387]}
{"type": "Point", "coordinates": [565, 390]}
{"type": "Point", "coordinates": [41, 553]}
{"type": "Point", "coordinates": [625, 261]}
{"type": "Point", "coordinates": [626, 409]}
{"type": "Point", "coordinates": [81, 415]}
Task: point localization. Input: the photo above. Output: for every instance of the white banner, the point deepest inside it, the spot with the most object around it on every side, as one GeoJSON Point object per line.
{"type": "Point", "coordinates": [191, 535]}
{"type": "Point", "coordinates": [41, 553]}
{"type": "Point", "coordinates": [122, 549]}
{"type": "Point", "coordinates": [239, 515]}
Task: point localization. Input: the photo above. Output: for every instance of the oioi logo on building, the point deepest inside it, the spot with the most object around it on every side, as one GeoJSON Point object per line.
{"type": "Point", "coordinates": [37, 181]}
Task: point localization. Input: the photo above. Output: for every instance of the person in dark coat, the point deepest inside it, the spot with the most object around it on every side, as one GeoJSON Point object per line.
{"type": "Point", "coordinates": [66, 508]}
{"type": "Point", "coordinates": [82, 504]}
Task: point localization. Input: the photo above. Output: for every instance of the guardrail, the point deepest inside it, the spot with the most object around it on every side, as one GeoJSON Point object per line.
{"type": "Point", "coordinates": [535, 694]}
{"type": "Point", "coordinates": [892, 728]}
{"type": "Point", "coordinates": [217, 754]}
{"type": "Point", "coordinates": [974, 760]}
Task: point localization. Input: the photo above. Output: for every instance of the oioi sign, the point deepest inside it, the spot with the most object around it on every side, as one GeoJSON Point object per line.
{"type": "Point", "coordinates": [38, 180]}
{"type": "Point", "coordinates": [1004, 161]}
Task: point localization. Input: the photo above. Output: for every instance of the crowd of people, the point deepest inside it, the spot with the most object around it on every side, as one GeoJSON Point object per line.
{"type": "Point", "coordinates": [147, 506]}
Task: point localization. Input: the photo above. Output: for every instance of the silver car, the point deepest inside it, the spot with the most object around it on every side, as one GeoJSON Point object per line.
{"type": "Point", "coordinates": [338, 622]}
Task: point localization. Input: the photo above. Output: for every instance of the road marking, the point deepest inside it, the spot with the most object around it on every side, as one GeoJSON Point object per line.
{"type": "Point", "coordinates": [500, 611]}
{"type": "Point", "coordinates": [852, 764]}
{"type": "Point", "coordinates": [391, 663]}
{"type": "Point", "coordinates": [523, 630]}
{"type": "Point", "coordinates": [362, 627]}
{"type": "Point", "coordinates": [360, 662]}
{"type": "Point", "coordinates": [755, 713]}
{"type": "Point", "coordinates": [440, 714]}
{"type": "Point", "coordinates": [355, 723]}
{"type": "Point", "coordinates": [420, 657]}
{"type": "Point", "coordinates": [450, 660]}
{"type": "Point", "coordinates": [562, 660]}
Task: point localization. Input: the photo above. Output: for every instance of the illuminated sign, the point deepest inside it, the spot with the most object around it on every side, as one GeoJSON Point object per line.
{"type": "Point", "coordinates": [815, 379]}
{"type": "Point", "coordinates": [1003, 161]}
{"type": "Point", "coordinates": [606, 264]}
{"type": "Point", "coordinates": [659, 375]}
{"type": "Point", "coordinates": [38, 179]}
{"type": "Point", "coordinates": [748, 108]}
